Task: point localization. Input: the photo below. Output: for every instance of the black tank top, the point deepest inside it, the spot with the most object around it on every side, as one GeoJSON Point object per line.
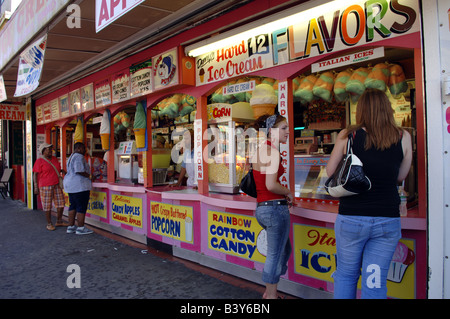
{"type": "Point", "coordinates": [382, 167]}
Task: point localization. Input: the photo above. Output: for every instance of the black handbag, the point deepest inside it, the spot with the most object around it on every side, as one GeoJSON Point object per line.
{"type": "Point", "coordinates": [248, 185]}
{"type": "Point", "coordinates": [349, 177]}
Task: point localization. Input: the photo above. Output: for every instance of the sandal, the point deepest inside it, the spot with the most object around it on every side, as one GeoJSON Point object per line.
{"type": "Point", "coordinates": [50, 227]}
{"type": "Point", "coordinates": [61, 224]}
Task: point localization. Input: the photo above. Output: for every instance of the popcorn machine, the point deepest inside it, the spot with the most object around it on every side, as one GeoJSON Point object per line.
{"type": "Point", "coordinates": [228, 145]}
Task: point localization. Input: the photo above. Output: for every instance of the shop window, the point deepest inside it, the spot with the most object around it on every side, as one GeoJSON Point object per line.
{"type": "Point", "coordinates": [325, 102]}
{"type": "Point", "coordinates": [95, 155]}
{"type": "Point", "coordinates": [55, 134]}
{"type": "Point", "coordinates": [170, 118]}
{"type": "Point", "coordinates": [232, 109]}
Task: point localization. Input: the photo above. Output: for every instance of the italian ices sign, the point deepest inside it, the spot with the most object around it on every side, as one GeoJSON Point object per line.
{"type": "Point", "coordinates": [31, 62]}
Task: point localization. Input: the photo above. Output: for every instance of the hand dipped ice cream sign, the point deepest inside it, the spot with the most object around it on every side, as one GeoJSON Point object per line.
{"type": "Point", "coordinates": [358, 23]}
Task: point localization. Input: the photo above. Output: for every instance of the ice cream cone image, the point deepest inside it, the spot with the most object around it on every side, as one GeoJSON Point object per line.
{"type": "Point", "coordinates": [105, 130]}
{"type": "Point", "coordinates": [262, 109]}
{"type": "Point", "coordinates": [78, 136]}
{"type": "Point", "coordinates": [263, 100]}
{"type": "Point", "coordinates": [105, 141]}
{"type": "Point", "coordinates": [140, 125]}
{"type": "Point", "coordinates": [139, 134]}
{"type": "Point", "coordinates": [403, 257]}
{"type": "Point", "coordinates": [201, 74]}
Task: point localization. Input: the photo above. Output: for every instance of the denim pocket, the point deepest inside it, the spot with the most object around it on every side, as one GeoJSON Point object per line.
{"type": "Point", "coordinates": [264, 215]}
{"type": "Point", "coordinates": [350, 228]}
{"type": "Point", "coordinates": [392, 228]}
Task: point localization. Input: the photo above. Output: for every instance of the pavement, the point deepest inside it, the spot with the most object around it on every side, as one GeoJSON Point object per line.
{"type": "Point", "coordinates": [39, 264]}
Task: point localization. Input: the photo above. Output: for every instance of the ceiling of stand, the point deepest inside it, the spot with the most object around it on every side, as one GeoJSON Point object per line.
{"type": "Point", "coordinates": [69, 49]}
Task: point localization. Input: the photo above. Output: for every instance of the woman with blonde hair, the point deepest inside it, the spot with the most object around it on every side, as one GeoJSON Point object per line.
{"type": "Point", "coordinates": [367, 228]}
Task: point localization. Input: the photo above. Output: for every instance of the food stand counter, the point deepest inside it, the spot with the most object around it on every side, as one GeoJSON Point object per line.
{"type": "Point", "coordinates": [220, 231]}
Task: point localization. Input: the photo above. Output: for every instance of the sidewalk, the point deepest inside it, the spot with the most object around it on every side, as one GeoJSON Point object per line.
{"type": "Point", "coordinates": [34, 262]}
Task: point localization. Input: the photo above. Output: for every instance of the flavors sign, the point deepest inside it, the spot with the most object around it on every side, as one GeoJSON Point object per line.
{"type": "Point", "coordinates": [358, 23]}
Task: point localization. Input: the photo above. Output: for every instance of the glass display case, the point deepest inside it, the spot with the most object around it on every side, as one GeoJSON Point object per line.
{"type": "Point", "coordinates": [310, 177]}
{"type": "Point", "coordinates": [228, 145]}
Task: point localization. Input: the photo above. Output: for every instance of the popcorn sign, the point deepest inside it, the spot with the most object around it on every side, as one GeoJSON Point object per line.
{"type": "Point", "coordinates": [173, 221]}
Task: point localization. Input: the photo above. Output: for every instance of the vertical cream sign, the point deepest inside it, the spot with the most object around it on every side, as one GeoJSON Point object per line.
{"type": "Point", "coordinates": [284, 148]}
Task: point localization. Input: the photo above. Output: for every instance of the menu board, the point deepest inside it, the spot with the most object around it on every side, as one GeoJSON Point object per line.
{"type": "Point", "coordinates": [121, 86]}
{"type": "Point", "coordinates": [165, 69]}
{"type": "Point", "coordinates": [40, 114]}
{"type": "Point", "coordinates": [87, 97]}
{"type": "Point", "coordinates": [141, 79]}
{"type": "Point", "coordinates": [64, 105]}
{"type": "Point", "coordinates": [75, 103]}
{"type": "Point", "coordinates": [102, 93]}
{"type": "Point", "coordinates": [54, 107]}
{"type": "Point", "coordinates": [47, 113]}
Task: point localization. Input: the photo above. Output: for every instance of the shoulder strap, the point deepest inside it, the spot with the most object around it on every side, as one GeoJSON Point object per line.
{"type": "Point", "coordinates": [56, 170]}
{"type": "Point", "coordinates": [350, 143]}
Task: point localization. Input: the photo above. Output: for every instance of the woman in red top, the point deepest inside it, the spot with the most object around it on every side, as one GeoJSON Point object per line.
{"type": "Point", "coordinates": [46, 184]}
{"type": "Point", "coordinates": [272, 211]}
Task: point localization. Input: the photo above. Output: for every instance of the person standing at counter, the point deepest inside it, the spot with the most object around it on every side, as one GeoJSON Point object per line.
{"type": "Point", "coordinates": [77, 184]}
{"type": "Point", "coordinates": [368, 226]}
{"type": "Point", "coordinates": [272, 211]}
{"type": "Point", "coordinates": [187, 166]}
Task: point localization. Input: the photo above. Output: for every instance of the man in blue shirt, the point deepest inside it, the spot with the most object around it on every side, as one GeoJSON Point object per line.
{"type": "Point", "coordinates": [77, 184]}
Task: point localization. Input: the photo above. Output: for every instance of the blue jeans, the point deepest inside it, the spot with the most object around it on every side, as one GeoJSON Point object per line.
{"type": "Point", "coordinates": [364, 246]}
{"type": "Point", "coordinates": [276, 221]}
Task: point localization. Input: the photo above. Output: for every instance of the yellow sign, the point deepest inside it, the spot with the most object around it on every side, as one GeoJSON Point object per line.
{"type": "Point", "coordinates": [127, 210]}
{"type": "Point", "coordinates": [237, 235]}
{"type": "Point", "coordinates": [97, 204]}
{"type": "Point", "coordinates": [315, 251]}
{"type": "Point", "coordinates": [172, 221]}
{"type": "Point", "coordinates": [315, 256]}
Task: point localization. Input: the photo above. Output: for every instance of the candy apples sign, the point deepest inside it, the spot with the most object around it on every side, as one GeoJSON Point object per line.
{"type": "Point", "coordinates": [356, 23]}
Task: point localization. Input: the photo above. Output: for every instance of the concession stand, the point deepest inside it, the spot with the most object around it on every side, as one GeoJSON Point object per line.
{"type": "Point", "coordinates": [315, 60]}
